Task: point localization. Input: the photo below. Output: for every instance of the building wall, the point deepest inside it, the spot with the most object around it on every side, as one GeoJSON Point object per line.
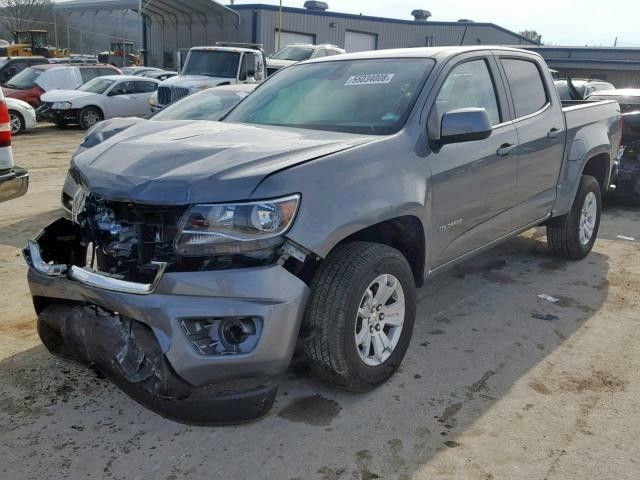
{"type": "Point", "coordinates": [391, 33]}
{"type": "Point", "coordinates": [620, 66]}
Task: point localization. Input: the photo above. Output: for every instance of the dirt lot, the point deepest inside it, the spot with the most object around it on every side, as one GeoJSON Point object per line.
{"type": "Point", "coordinates": [492, 387]}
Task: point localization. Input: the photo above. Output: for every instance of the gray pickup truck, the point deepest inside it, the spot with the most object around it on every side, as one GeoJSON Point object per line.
{"type": "Point", "coordinates": [197, 253]}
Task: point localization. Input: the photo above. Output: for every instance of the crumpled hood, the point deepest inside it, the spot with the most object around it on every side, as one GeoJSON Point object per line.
{"type": "Point", "coordinates": [64, 95]}
{"type": "Point", "coordinates": [184, 162]}
{"type": "Point", "coordinates": [191, 81]}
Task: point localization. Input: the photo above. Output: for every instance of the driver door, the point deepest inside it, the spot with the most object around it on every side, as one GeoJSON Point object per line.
{"type": "Point", "coordinates": [473, 183]}
{"type": "Point", "coordinates": [121, 101]}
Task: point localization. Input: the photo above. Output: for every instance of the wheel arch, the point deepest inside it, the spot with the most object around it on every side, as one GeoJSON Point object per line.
{"type": "Point", "coordinates": [404, 233]}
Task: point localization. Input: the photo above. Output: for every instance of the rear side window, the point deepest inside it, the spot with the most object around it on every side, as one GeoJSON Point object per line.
{"type": "Point", "coordinates": [106, 71]}
{"type": "Point", "coordinates": [469, 85]}
{"type": "Point", "coordinates": [146, 87]}
{"type": "Point", "coordinates": [526, 84]}
{"type": "Point", "coordinates": [88, 74]}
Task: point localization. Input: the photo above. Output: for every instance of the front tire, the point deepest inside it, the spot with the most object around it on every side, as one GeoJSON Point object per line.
{"type": "Point", "coordinates": [16, 122]}
{"type": "Point", "coordinates": [89, 116]}
{"type": "Point", "coordinates": [360, 316]}
{"type": "Point", "coordinates": [572, 236]}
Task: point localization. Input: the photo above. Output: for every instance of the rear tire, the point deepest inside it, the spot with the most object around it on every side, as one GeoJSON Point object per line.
{"type": "Point", "coordinates": [89, 116]}
{"type": "Point", "coordinates": [17, 123]}
{"type": "Point", "coordinates": [360, 316]}
{"type": "Point", "coordinates": [572, 236]}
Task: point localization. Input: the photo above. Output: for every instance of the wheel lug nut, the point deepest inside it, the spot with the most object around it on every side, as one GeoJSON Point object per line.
{"type": "Point", "coordinates": [378, 328]}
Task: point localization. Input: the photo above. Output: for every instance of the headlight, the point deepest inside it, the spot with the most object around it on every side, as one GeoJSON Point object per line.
{"type": "Point", "coordinates": [235, 227]}
{"type": "Point", "coordinates": [61, 106]}
{"type": "Point", "coordinates": [153, 100]}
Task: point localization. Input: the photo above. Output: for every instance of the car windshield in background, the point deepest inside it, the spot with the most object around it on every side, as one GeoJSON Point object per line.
{"type": "Point", "coordinates": [363, 96]}
{"type": "Point", "coordinates": [97, 85]}
{"type": "Point", "coordinates": [213, 63]}
{"type": "Point", "coordinates": [25, 79]}
{"type": "Point", "coordinates": [293, 53]}
{"type": "Point", "coordinates": [202, 106]}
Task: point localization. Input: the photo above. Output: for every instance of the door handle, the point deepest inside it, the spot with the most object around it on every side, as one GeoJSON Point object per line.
{"type": "Point", "coordinates": [553, 133]}
{"type": "Point", "coordinates": [505, 149]}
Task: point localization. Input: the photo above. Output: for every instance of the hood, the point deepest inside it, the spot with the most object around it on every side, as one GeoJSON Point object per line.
{"type": "Point", "coordinates": [14, 92]}
{"type": "Point", "coordinates": [64, 95]}
{"type": "Point", "coordinates": [184, 162]}
{"type": "Point", "coordinates": [191, 81]}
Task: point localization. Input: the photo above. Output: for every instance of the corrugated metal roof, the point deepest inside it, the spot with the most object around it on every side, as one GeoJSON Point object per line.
{"type": "Point", "coordinates": [175, 10]}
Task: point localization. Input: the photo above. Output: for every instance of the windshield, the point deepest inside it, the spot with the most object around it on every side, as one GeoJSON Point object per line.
{"type": "Point", "coordinates": [97, 85]}
{"type": "Point", "coordinates": [202, 106]}
{"type": "Point", "coordinates": [25, 79]}
{"type": "Point", "coordinates": [293, 53]}
{"type": "Point", "coordinates": [360, 96]}
{"type": "Point", "coordinates": [214, 63]}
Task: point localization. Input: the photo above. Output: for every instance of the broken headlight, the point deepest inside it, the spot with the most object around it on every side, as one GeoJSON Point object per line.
{"type": "Point", "coordinates": [235, 227]}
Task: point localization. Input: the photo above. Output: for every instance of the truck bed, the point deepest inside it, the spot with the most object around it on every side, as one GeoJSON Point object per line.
{"type": "Point", "coordinates": [580, 113]}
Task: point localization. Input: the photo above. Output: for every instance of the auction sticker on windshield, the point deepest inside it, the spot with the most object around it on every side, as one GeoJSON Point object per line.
{"type": "Point", "coordinates": [370, 79]}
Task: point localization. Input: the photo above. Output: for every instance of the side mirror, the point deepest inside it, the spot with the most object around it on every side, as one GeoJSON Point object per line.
{"type": "Point", "coordinates": [464, 125]}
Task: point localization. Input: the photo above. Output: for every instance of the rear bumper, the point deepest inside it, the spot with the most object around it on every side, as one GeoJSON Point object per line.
{"type": "Point", "coordinates": [270, 294]}
{"type": "Point", "coordinates": [13, 184]}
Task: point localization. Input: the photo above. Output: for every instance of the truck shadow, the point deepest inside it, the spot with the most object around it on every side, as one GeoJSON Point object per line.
{"type": "Point", "coordinates": [17, 233]}
{"type": "Point", "coordinates": [480, 327]}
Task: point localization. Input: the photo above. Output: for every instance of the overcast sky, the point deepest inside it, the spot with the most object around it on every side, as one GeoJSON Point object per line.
{"type": "Point", "coordinates": [560, 22]}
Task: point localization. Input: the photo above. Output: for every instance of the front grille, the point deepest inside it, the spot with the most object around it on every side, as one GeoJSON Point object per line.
{"type": "Point", "coordinates": [164, 95]}
{"type": "Point", "coordinates": [179, 93]}
{"type": "Point", "coordinates": [124, 239]}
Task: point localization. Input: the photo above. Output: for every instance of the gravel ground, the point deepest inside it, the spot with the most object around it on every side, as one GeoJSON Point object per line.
{"type": "Point", "coordinates": [497, 384]}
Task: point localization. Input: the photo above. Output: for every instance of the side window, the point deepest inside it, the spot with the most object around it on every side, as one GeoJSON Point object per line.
{"type": "Point", "coordinates": [469, 85]}
{"type": "Point", "coordinates": [145, 87]}
{"type": "Point", "coordinates": [123, 88]}
{"type": "Point", "coordinates": [321, 52]}
{"type": "Point", "coordinates": [526, 84]}
{"type": "Point", "coordinates": [88, 74]}
{"type": "Point", "coordinates": [105, 71]}
{"type": "Point", "coordinates": [19, 66]}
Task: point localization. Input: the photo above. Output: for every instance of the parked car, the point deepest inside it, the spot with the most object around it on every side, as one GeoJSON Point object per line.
{"type": "Point", "coordinates": [579, 89]}
{"type": "Point", "coordinates": [161, 76]}
{"type": "Point", "coordinates": [14, 181]}
{"type": "Point", "coordinates": [22, 116]}
{"type": "Point", "coordinates": [31, 83]}
{"type": "Point", "coordinates": [298, 52]}
{"type": "Point", "coordinates": [210, 104]}
{"type": "Point", "coordinates": [627, 173]}
{"type": "Point", "coordinates": [103, 97]}
{"type": "Point", "coordinates": [313, 208]}
{"type": "Point", "coordinates": [206, 67]}
{"type": "Point", "coordinates": [11, 66]}
{"type": "Point", "coordinates": [141, 71]}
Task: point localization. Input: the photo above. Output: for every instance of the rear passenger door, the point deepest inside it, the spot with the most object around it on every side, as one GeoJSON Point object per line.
{"type": "Point", "coordinates": [473, 182]}
{"type": "Point", "coordinates": [540, 125]}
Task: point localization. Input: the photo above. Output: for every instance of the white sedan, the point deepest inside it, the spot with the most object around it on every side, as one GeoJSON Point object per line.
{"type": "Point", "coordinates": [101, 98]}
{"type": "Point", "coordinates": [22, 116]}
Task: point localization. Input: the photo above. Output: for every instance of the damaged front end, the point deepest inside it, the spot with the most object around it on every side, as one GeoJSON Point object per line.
{"type": "Point", "coordinates": [199, 339]}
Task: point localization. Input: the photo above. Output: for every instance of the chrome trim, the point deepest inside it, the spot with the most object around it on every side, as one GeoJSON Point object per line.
{"type": "Point", "coordinates": [98, 280]}
{"type": "Point", "coordinates": [14, 184]}
{"type": "Point", "coordinates": [546, 107]}
{"type": "Point", "coordinates": [36, 261]}
{"type": "Point", "coordinates": [90, 277]}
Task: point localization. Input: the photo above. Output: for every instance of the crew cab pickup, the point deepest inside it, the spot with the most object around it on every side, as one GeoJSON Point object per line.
{"type": "Point", "coordinates": [197, 253]}
{"type": "Point", "coordinates": [206, 67]}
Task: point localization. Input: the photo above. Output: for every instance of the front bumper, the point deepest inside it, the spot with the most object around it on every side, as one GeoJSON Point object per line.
{"type": "Point", "coordinates": [269, 293]}
{"type": "Point", "coordinates": [46, 113]}
{"type": "Point", "coordinates": [13, 184]}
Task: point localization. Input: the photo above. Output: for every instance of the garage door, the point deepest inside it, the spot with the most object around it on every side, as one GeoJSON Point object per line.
{"type": "Point", "coordinates": [359, 42]}
{"type": "Point", "coordinates": [289, 38]}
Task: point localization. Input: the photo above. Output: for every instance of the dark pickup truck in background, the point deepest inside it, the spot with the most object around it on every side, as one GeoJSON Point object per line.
{"type": "Point", "coordinates": [198, 252]}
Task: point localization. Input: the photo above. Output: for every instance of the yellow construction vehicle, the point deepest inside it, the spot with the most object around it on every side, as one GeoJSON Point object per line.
{"type": "Point", "coordinates": [121, 55]}
{"type": "Point", "coordinates": [27, 43]}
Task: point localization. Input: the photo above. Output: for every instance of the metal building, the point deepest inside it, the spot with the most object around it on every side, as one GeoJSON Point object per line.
{"type": "Point", "coordinates": [620, 66]}
{"type": "Point", "coordinates": [260, 24]}
{"type": "Point", "coordinates": [169, 26]}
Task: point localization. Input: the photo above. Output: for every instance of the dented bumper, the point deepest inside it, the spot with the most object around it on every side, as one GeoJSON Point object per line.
{"type": "Point", "coordinates": [90, 320]}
